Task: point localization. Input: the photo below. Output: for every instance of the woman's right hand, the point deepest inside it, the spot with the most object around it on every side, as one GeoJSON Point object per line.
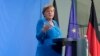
{"type": "Point", "coordinates": [46, 27]}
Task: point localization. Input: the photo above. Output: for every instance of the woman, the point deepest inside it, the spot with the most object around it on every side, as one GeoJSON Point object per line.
{"type": "Point", "coordinates": [47, 30]}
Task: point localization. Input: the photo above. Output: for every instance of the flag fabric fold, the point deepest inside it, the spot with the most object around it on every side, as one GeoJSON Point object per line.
{"type": "Point", "coordinates": [93, 34]}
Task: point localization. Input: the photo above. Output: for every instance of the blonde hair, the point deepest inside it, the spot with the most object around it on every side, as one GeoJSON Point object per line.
{"type": "Point", "coordinates": [46, 7]}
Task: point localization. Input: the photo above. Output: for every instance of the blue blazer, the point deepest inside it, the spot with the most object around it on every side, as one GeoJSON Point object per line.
{"type": "Point", "coordinates": [45, 39]}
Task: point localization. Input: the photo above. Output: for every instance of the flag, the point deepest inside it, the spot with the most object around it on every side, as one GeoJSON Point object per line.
{"type": "Point", "coordinates": [56, 12]}
{"type": "Point", "coordinates": [93, 34]}
{"type": "Point", "coordinates": [73, 32]}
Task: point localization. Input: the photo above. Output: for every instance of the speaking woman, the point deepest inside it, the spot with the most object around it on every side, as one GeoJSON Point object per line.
{"type": "Point", "coordinates": [47, 30]}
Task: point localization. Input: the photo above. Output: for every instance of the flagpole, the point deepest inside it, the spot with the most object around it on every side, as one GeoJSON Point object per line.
{"type": "Point", "coordinates": [87, 46]}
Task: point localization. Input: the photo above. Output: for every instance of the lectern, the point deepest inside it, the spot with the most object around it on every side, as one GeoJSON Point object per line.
{"type": "Point", "coordinates": [60, 42]}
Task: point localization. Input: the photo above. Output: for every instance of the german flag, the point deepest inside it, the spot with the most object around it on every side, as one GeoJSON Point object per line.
{"type": "Point", "coordinates": [93, 34]}
{"type": "Point", "coordinates": [56, 12]}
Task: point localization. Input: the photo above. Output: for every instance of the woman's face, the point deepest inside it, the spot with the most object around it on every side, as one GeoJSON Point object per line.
{"type": "Point", "coordinates": [49, 13]}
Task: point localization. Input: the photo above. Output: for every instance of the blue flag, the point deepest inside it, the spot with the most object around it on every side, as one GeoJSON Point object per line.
{"type": "Point", "coordinates": [73, 29]}
{"type": "Point", "coordinates": [73, 32]}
